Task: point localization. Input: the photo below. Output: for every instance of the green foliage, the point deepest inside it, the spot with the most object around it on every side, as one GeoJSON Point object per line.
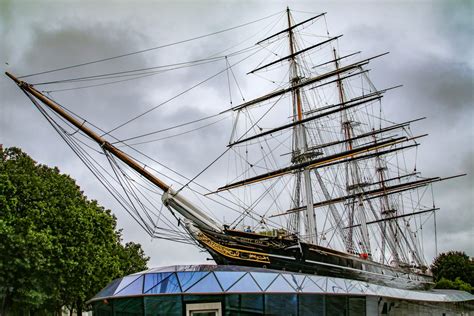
{"type": "Point", "coordinates": [457, 284]}
{"type": "Point", "coordinates": [453, 270]}
{"type": "Point", "coordinates": [57, 248]}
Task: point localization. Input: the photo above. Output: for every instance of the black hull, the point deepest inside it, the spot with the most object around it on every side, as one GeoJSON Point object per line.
{"type": "Point", "coordinates": [248, 249]}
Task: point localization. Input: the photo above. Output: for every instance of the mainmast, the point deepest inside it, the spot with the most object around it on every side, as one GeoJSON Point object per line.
{"type": "Point", "coordinates": [353, 178]}
{"type": "Point", "coordinates": [300, 145]}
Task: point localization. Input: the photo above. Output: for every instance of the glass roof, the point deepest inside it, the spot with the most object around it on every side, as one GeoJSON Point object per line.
{"type": "Point", "coordinates": [214, 279]}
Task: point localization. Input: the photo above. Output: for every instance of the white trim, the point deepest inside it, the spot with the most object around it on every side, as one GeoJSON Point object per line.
{"type": "Point", "coordinates": [215, 307]}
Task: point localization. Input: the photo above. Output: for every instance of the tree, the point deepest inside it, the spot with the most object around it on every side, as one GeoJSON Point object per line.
{"type": "Point", "coordinates": [457, 284]}
{"type": "Point", "coordinates": [453, 269]}
{"type": "Point", "coordinates": [57, 248]}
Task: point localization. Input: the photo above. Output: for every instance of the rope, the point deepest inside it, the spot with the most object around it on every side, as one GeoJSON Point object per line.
{"type": "Point", "coordinates": [149, 49]}
{"type": "Point", "coordinates": [176, 96]}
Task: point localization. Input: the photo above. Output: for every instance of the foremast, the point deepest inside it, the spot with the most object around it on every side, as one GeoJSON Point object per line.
{"type": "Point", "coordinates": [170, 198]}
{"type": "Point", "coordinates": [300, 147]}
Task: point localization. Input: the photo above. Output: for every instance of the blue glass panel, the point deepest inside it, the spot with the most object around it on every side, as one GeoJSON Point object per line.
{"type": "Point", "coordinates": [109, 290]}
{"type": "Point", "coordinates": [128, 307]}
{"type": "Point", "coordinates": [227, 279]}
{"type": "Point", "coordinates": [296, 280]}
{"type": "Point", "coordinates": [245, 285]}
{"type": "Point", "coordinates": [188, 279]}
{"type": "Point", "coordinates": [152, 279]}
{"type": "Point", "coordinates": [168, 285]}
{"type": "Point", "coordinates": [356, 306]}
{"type": "Point", "coordinates": [280, 285]}
{"type": "Point", "coordinates": [136, 287]}
{"type": "Point", "coordinates": [281, 304]}
{"type": "Point", "coordinates": [244, 304]}
{"type": "Point", "coordinates": [264, 278]}
{"type": "Point", "coordinates": [309, 305]}
{"type": "Point", "coordinates": [102, 309]}
{"type": "Point", "coordinates": [163, 305]}
{"type": "Point", "coordinates": [336, 305]}
{"type": "Point", "coordinates": [309, 286]}
{"type": "Point", "coordinates": [208, 284]}
{"type": "Point", "coordinates": [126, 281]}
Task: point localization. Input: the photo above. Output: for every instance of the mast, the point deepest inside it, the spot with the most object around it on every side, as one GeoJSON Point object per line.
{"type": "Point", "coordinates": [353, 178]}
{"type": "Point", "coordinates": [170, 198]}
{"type": "Point", "coordinates": [300, 143]}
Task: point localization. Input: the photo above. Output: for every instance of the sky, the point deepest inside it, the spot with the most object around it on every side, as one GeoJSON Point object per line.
{"type": "Point", "coordinates": [431, 54]}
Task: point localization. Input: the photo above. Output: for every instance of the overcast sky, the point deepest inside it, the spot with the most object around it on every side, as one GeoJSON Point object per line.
{"type": "Point", "coordinates": [431, 54]}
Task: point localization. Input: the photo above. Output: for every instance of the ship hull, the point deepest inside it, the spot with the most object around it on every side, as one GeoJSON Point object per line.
{"type": "Point", "coordinates": [248, 249]}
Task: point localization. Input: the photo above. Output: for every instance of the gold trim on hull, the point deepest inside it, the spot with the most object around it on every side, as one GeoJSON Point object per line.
{"type": "Point", "coordinates": [232, 252]}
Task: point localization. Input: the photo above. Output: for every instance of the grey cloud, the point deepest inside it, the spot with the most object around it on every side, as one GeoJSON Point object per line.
{"type": "Point", "coordinates": [431, 54]}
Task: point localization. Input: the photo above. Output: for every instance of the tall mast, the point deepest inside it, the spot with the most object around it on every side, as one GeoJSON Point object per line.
{"type": "Point", "coordinates": [300, 143]}
{"type": "Point", "coordinates": [353, 178]}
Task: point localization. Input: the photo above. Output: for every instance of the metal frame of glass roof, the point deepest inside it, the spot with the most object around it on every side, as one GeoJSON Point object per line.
{"type": "Point", "coordinates": [215, 279]}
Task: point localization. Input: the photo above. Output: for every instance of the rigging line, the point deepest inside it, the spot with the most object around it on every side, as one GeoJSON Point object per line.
{"type": "Point", "coordinates": [132, 188]}
{"type": "Point", "coordinates": [134, 149]}
{"type": "Point", "coordinates": [170, 128]}
{"type": "Point", "coordinates": [143, 71]}
{"type": "Point", "coordinates": [186, 178]}
{"type": "Point", "coordinates": [179, 134]}
{"type": "Point", "coordinates": [81, 156]}
{"type": "Point", "coordinates": [182, 176]}
{"type": "Point", "coordinates": [272, 24]}
{"type": "Point", "coordinates": [101, 153]}
{"type": "Point", "coordinates": [104, 83]}
{"type": "Point", "coordinates": [178, 95]}
{"type": "Point", "coordinates": [228, 148]}
{"type": "Point", "coordinates": [162, 165]}
{"type": "Point", "coordinates": [150, 49]}
{"type": "Point", "coordinates": [102, 179]}
{"type": "Point", "coordinates": [155, 235]}
{"type": "Point", "coordinates": [248, 212]}
{"type": "Point", "coordinates": [237, 83]}
{"type": "Point", "coordinates": [255, 164]}
{"type": "Point", "coordinates": [73, 113]}
{"type": "Point", "coordinates": [262, 196]}
{"type": "Point", "coordinates": [114, 167]}
{"type": "Point", "coordinates": [228, 80]}
{"type": "Point", "coordinates": [87, 145]}
{"type": "Point", "coordinates": [132, 72]}
{"type": "Point", "coordinates": [110, 188]}
{"type": "Point", "coordinates": [274, 199]}
{"type": "Point", "coordinates": [70, 141]}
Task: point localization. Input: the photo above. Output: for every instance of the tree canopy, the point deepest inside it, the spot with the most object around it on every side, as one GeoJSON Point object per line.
{"type": "Point", "coordinates": [57, 248]}
{"type": "Point", "coordinates": [453, 270]}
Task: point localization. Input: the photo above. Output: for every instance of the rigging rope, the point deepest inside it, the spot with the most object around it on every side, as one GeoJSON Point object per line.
{"type": "Point", "coordinates": [91, 163]}
{"type": "Point", "coordinates": [179, 134]}
{"type": "Point", "coordinates": [150, 49]}
{"type": "Point", "coordinates": [177, 95]}
{"type": "Point", "coordinates": [157, 171]}
{"type": "Point", "coordinates": [141, 71]}
{"type": "Point", "coordinates": [169, 128]}
{"type": "Point", "coordinates": [228, 148]}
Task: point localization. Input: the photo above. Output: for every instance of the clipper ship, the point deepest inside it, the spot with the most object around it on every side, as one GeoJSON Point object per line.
{"type": "Point", "coordinates": [322, 189]}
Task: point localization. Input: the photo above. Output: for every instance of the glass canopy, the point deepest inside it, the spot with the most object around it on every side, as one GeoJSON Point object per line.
{"type": "Point", "coordinates": [214, 279]}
